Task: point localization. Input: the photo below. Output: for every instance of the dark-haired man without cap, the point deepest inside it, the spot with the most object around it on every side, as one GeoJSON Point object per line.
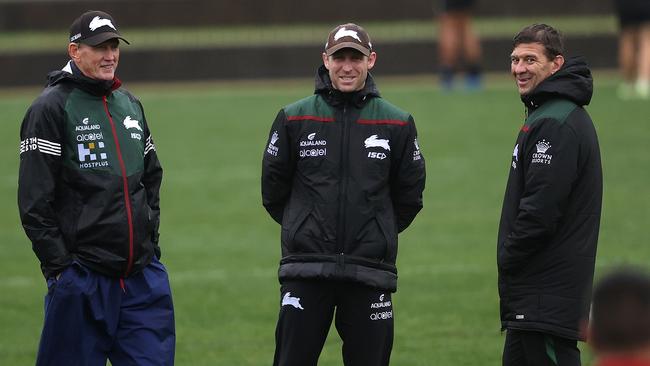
{"type": "Point", "coordinates": [343, 174]}
{"type": "Point", "coordinates": [88, 195]}
{"type": "Point", "coordinates": [551, 211]}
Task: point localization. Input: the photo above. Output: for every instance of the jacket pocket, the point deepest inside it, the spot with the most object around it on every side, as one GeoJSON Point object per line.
{"type": "Point", "coordinates": [69, 221]}
{"type": "Point", "coordinates": [389, 233]}
{"type": "Point", "coordinates": [289, 232]}
{"type": "Point", "coordinates": [373, 239]}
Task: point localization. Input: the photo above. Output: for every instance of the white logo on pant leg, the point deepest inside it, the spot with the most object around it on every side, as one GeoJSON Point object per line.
{"type": "Point", "coordinates": [381, 303]}
{"type": "Point", "coordinates": [293, 301]}
{"type": "Point", "coordinates": [384, 315]}
{"type": "Point", "coordinates": [381, 314]}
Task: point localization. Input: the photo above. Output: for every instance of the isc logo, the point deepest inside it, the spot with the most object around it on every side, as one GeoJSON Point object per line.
{"type": "Point", "coordinates": [377, 155]}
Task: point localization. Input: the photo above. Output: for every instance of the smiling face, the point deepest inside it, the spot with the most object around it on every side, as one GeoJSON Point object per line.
{"type": "Point", "coordinates": [530, 65]}
{"type": "Point", "coordinates": [96, 62]}
{"type": "Point", "coordinates": [348, 69]}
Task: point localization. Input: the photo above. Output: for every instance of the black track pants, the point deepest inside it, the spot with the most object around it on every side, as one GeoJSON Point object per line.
{"type": "Point", "coordinates": [363, 318]}
{"type": "Point", "coordinates": [526, 348]}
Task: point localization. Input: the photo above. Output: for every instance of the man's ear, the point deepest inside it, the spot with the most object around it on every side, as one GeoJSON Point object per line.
{"type": "Point", "coordinates": [73, 51]}
{"type": "Point", "coordinates": [371, 60]}
{"type": "Point", "coordinates": [326, 61]}
{"type": "Point", "coordinates": [558, 62]}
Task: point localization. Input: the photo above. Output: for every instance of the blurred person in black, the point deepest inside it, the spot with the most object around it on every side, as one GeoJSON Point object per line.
{"type": "Point", "coordinates": [459, 47]}
{"type": "Point", "coordinates": [634, 48]}
{"type": "Point", "coordinates": [546, 248]}
{"type": "Point", "coordinates": [619, 329]}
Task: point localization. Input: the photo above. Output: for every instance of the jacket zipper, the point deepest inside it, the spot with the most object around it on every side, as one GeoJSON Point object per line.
{"type": "Point", "coordinates": [125, 187]}
{"type": "Point", "coordinates": [343, 188]}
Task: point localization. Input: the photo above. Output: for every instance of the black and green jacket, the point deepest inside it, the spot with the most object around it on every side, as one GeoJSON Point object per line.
{"type": "Point", "coordinates": [343, 174]}
{"type": "Point", "coordinates": [549, 226]}
{"type": "Point", "coordinates": [89, 177]}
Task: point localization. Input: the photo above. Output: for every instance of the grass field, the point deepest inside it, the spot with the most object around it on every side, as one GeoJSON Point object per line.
{"type": "Point", "coordinates": [222, 250]}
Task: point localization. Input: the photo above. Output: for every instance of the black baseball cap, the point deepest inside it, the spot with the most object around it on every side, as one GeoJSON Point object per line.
{"type": "Point", "coordinates": [94, 27]}
{"type": "Point", "coordinates": [348, 35]}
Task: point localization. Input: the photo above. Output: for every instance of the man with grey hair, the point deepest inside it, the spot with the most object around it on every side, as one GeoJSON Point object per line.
{"type": "Point", "coordinates": [88, 195]}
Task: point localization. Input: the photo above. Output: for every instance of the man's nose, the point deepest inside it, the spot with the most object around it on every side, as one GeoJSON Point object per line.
{"type": "Point", "coordinates": [518, 67]}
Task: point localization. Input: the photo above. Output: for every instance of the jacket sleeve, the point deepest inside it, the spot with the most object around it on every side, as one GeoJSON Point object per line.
{"type": "Point", "coordinates": [551, 167]}
{"type": "Point", "coordinates": [408, 178]}
{"type": "Point", "coordinates": [278, 166]}
{"type": "Point", "coordinates": [152, 180]}
{"type": "Point", "coordinates": [40, 161]}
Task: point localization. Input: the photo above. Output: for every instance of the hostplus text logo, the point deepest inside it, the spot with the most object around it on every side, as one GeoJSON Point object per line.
{"type": "Point", "coordinates": [90, 155]}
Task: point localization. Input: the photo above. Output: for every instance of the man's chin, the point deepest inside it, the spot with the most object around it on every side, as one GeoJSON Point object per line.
{"type": "Point", "coordinates": [107, 76]}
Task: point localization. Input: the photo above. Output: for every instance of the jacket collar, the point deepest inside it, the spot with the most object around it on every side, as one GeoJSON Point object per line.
{"type": "Point", "coordinates": [71, 74]}
{"type": "Point", "coordinates": [336, 98]}
{"type": "Point", "coordinates": [573, 82]}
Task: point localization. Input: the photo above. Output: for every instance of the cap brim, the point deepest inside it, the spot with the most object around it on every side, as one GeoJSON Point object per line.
{"type": "Point", "coordinates": [343, 45]}
{"type": "Point", "coordinates": [101, 38]}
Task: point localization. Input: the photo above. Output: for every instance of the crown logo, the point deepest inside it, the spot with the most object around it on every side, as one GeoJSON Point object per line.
{"type": "Point", "coordinates": [274, 138]}
{"type": "Point", "coordinates": [542, 146]}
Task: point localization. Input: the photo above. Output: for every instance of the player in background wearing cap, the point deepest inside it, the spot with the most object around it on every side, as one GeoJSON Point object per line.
{"type": "Point", "coordinates": [343, 174]}
{"type": "Point", "coordinates": [88, 196]}
{"type": "Point", "coordinates": [619, 331]}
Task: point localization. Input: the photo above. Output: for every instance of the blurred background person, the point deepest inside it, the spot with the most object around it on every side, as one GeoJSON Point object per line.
{"type": "Point", "coordinates": [634, 48]}
{"type": "Point", "coordinates": [619, 332]}
{"type": "Point", "coordinates": [458, 42]}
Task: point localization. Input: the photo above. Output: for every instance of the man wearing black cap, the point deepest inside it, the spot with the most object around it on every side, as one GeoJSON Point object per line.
{"type": "Point", "coordinates": [88, 196]}
{"type": "Point", "coordinates": [343, 174]}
